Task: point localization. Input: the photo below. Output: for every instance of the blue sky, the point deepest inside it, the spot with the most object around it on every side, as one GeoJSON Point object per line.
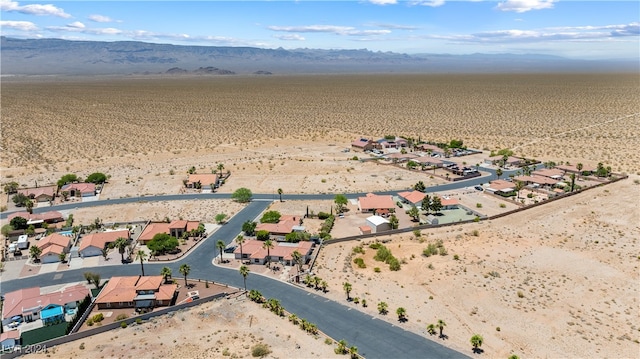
{"type": "Point", "coordinates": [574, 29]}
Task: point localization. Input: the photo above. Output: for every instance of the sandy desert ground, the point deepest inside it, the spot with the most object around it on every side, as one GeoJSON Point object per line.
{"type": "Point", "coordinates": [574, 262]}
{"type": "Point", "coordinates": [228, 328]}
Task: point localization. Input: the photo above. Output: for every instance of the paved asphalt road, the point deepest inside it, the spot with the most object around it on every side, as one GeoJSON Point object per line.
{"type": "Point", "coordinates": [375, 338]}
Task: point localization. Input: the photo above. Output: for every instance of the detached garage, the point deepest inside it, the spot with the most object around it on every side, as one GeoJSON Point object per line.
{"type": "Point", "coordinates": [378, 224]}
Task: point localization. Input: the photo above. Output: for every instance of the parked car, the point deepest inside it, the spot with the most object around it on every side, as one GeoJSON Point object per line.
{"type": "Point", "coordinates": [479, 188]}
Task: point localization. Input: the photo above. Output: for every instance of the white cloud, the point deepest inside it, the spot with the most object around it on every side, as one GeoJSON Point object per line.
{"type": "Point", "coordinates": [290, 37]}
{"type": "Point", "coordinates": [432, 3]}
{"type": "Point", "coordinates": [338, 30]}
{"type": "Point", "coordinates": [77, 25]}
{"type": "Point", "coordinates": [100, 18]}
{"type": "Point", "coordinates": [521, 6]}
{"type": "Point", "coordinates": [19, 25]}
{"type": "Point", "coordinates": [383, 2]}
{"type": "Point", "coordinates": [33, 9]}
{"type": "Point", "coordinates": [395, 27]}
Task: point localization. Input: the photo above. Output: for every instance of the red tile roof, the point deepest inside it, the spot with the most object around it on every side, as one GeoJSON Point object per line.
{"type": "Point", "coordinates": [37, 192]}
{"type": "Point", "coordinates": [205, 179]}
{"type": "Point", "coordinates": [46, 216]}
{"type": "Point", "coordinates": [372, 201]}
{"type": "Point", "coordinates": [124, 289]}
{"type": "Point", "coordinates": [17, 301]}
{"type": "Point", "coordinates": [53, 239]}
{"type": "Point", "coordinates": [412, 196]}
{"type": "Point", "coordinates": [280, 249]}
{"type": "Point", "coordinates": [81, 187]}
{"type": "Point", "coordinates": [100, 239]}
{"type": "Point", "coordinates": [284, 226]}
{"type": "Point", "coordinates": [536, 179]}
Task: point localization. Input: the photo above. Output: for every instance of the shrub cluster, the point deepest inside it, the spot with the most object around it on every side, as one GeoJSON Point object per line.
{"type": "Point", "coordinates": [359, 262]}
{"type": "Point", "coordinates": [384, 254]}
{"type": "Point", "coordinates": [326, 227]}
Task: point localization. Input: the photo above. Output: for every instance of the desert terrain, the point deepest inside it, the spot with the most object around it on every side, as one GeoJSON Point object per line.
{"type": "Point", "coordinates": [560, 280]}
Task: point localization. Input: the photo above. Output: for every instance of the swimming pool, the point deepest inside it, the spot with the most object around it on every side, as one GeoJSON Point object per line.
{"type": "Point", "coordinates": [66, 233]}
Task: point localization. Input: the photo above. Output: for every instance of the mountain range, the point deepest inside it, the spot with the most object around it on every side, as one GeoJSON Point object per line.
{"type": "Point", "coordinates": [65, 57]}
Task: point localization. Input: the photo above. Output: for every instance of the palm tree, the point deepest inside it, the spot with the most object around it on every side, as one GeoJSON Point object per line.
{"type": "Point", "coordinates": [297, 259]}
{"type": "Point", "coordinates": [142, 256]}
{"type": "Point", "coordinates": [402, 314]}
{"type": "Point", "coordinates": [244, 271]}
{"type": "Point", "coordinates": [29, 205]}
{"type": "Point", "coordinates": [347, 288]}
{"type": "Point", "coordinates": [316, 281]}
{"type": "Point", "coordinates": [579, 167]}
{"type": "Point", "coordinates": [342, 347]}
{"type": "Point", "coordinates": [165, 272]}
{"type": "Point", "coordinates": [268, 245]}
{"type": "Point", "coordinates": [184, 270]}
{"type": "Point", "coordinates": [240, 241]}
{"type": "Point", "coordinates": [382, 308]}
{"type": "Point", "coordinates": [324, 286]}
{"type": "Point", "coordinates": [573, 181]}
{"type": "Point", "coordinates": [476, 341]}
{"type": "Point", "coordinates": [519, 186]}
{"type": "Point", "coordinates": [441, 324]}
{"type": "Point", "coordinates": [353, 352]}
{"type": "Point", "coordinates": [280, 193]}
{"type": "Point", "coordinates": [121, 244]}
{"type": "Point", "coordinates": [431, 329]}
{"type": "Point", "coordinates": [499, 173]}
{"type": "Point", "coordinates": [220, 167]}
{"type": "Point", "coordinates": [220, 245]}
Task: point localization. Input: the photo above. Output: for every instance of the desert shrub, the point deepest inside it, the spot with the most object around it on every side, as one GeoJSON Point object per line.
{"type": "Point", "coordinates": [260, 350]}
{"type": "Point", "coordinates": [520, 294]}
{"type": "Point", "coordinates": [502, 205]}
{"type": "Point", "coordinates": [475, 233]}
{"type": "Point", "coordinates": [359, 262]}
{"type": "Point", "coordinates": [138, 321]}
{"type": "Point", "coordinates": [478, 205]}
{"type": "Point", "coordinates": [442, 251]}
{"type": "Point", "coordinates": [98, 318]}
{"type": "Point", "coordinates": [122, 317]}
{"type": "Point", "coordinates": [375, 245]}
{"type": "Point", "coordinates": [358, 249]}
{"type": "Point", "coordinates": [376, 269]}
{"type": "Point", "coordinates": [323, 215]}
{"type": "Point", "coordinates": [530, 195]}
{"type": "Point", "coordinates": [432, 249]}
{"type": "Point", "coordinates": [383, 254]}
{"type": "Point", "coordinates": [123, 325]}
{"type": "Point", "coordinates": [394, 264]}
{"type": "Point", "coordinates": [456, 257]}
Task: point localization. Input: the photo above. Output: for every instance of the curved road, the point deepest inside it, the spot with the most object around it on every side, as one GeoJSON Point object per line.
{"type": "Point", "coordinates": [375, 338]}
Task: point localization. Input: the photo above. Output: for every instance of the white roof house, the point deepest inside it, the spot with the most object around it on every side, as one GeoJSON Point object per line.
{"type": "Point", "coordinates": [378, 224]}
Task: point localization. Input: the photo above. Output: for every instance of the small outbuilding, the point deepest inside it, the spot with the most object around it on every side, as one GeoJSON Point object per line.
{"type": "Point", "coordinates": [378, 224]}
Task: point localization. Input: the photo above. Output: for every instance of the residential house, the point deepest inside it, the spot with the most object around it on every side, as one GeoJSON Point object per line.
{"type": "Point", "coordinates": [364, 144]}
{"type": "Point", "coordinates": [412, 197]}
{"type": "Point", "coordinates": [286, 225]}
{"type": "Point", "coordinates": [429, 161]}
{"type": "Point", "coordinates": [554, 173]}
{"type": "Point", "coordinates": [501, 187]}
{"type": "Point", "coordinates": [52, 246]}
{"type": "Point", "coordinates": [400, 157]}
{"type": "Point", "coordinates": [377, 204]}
{"type": "Point", "coordinates": [139, 292]}
{"type": "Point", "coordinates": [253, 251]}
{"type": "Point", "coordinates": [205, 181]}
{"type": "Point", "coordinates": [365, 229]}
{"type": "Point", "coordinates": [510, 162]}
{"type": "Point", "coordinates": [91, 245]}
{"type": "Point", "coordinates": [176, 229]}
{"type": "Point", "coordinates": [574, 169]}
{"type": "Point", "coordinates": [9, 340]}
{"type": "Point", "coordinates": [378, 224]}
{"type": "Point", "coordinates": [80, 189]}
{"type": "Point", "coordinates": [538, 181]}
{"type": "Point", "coordinates": [431, 149]}
{"type": "Point", "coordinates": [40, 194]}
{"type": "Point", "coordinates": [29, 302]}
{"type": "Point", "coordinates": [448, 203]}
{"type": "Point", "coordinates": [38, 218]}
{"type": "Point", "coordinates": [392, 143]}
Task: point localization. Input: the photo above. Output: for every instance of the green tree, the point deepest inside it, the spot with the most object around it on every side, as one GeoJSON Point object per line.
{"type": "Point", "coordinates": [97, 178]}
{"type": "Point", "coordinates": [324, 286]}
{"type": "Point", "coordinates": [121, 243]}
{"type": "Point", "coordinates": [414, 213]}
{"type": "Point", "coordinates": [220, 167]}
{"type": "Point", "coordinates": [162, 243]}
{"type": "Point", "coordinates": [29, 206]}
{"type": "Point", "coordinates": [341, 201]}
{"type": "Point", "coordinates": [270, 217]}
{"type": "Point", "coordinates": [165, 272]}
{"type": "Point", "coordinates": [280, 193]}
{"type": "Point", "coordinates": [184, 270]}
{"type": "Point", "coordinates": [268, 245]}
{"type": "Point", "coordinates": [436, 204]}
{"type": "Point", "coordinates": [426, 204]}
{"type": "Point", "coordinates": [499, 173]}
{"type": "Point", "coordinates": [18, 222]}
{"type": "Point", "coordinates": [431, 329]}
{"type": "Point", "coordinates": [342, 347]}
{"type": "Point", "coordinates": [420, 186]}
{"type": "Point", "coordinates": [142, 256]}
{"type": "Point", "coordinates": [95, 279]}
{"type": "Point", "coordinates": [519, 187]}
{"type": "Point", "coordinates": [262, 235]}
{"type": "Point", "coordinates": [240, 241]}
{"type": "Point", "coordinates": [220, 217]}
{"type": "Point", "coordinates": [244, 272]}
{"type": "Point", "coordinates": [476, 341]}
{"type": "Point", "coordinates": [402, 314]}
{"type": "Point", "coordinates": [220, 245]}
{"type": "Point", "coordinates": [353, 352]}
{"type": "Point", "coordinates": [573, 181]}
{"type": "Point", "coordinates": [441, 324]}
{"type": "Point", "coordinates": [242, 195]}
{"type": "Point", "coordinates": [579, 167]}
{"type": "Point", "coordinates": [393, 221]}
{"type": "Point", "coordinates": [62, 256]}
{"type": "Point", "coordinates": [347, 288]}
{"type": "Point", "coordinates": [19, 199]}
{"type": "Point", "coordinates": [249, 228]}
{"type": "Point", "coordinates": [35, 253]}
{"type": "Point", "coordinates": [383, 308]}
{"type": "Point", "coordinates": [68, 178]}
{"type": "Point", "coordinates": [297, 259]}
{"type": "Point", "coordinates": [11, 187]}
